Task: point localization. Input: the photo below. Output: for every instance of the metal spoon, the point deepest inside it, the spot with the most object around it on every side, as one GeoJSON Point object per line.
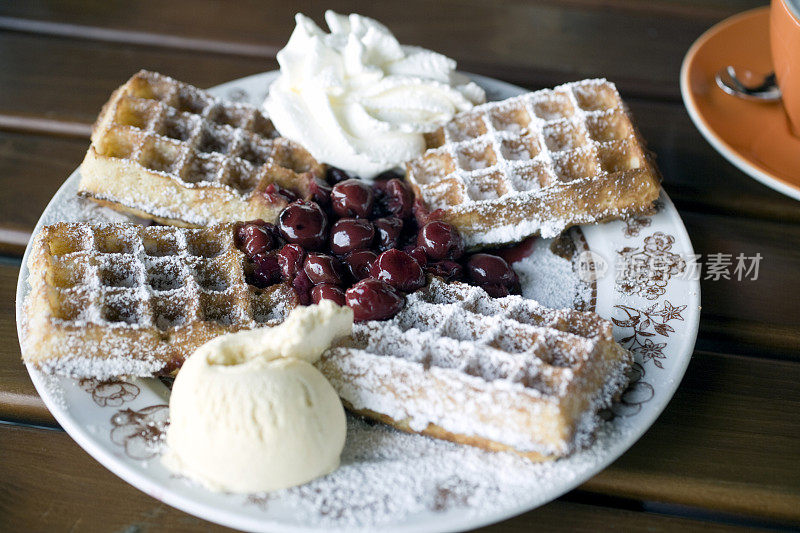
{"type": "Point", "coordinates": [767, 91]}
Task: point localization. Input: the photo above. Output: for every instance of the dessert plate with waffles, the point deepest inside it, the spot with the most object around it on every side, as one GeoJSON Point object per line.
{"type": "Point", "coordinates": [489, 282]}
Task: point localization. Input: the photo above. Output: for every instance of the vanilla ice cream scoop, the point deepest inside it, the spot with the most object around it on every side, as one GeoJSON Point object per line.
{"type": "Point", "coordinates": [249, 412]}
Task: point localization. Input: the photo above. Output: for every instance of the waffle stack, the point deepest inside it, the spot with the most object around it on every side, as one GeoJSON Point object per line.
{"type": "Point", "coordinates": [165, 150]}
{"type": "Point", "coordinates": [119, 299]}
{"type": "Point", "coordinates": [502, 374]}
{"type": "Point", "coordinates": [536, 164]}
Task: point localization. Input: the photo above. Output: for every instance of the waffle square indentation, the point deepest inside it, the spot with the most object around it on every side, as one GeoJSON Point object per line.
{"type": "Point", "coordinates": [466, 126]}
{"type": "Point", "coordinates": [165, 275]}
{"type": "Point", "coordinates": [192, 101]}
{"type": "Point", "coordinates": [201, 168]}
{"type": "Point", "coordinates": [215, 139]}
{"type": "Point", "coordinates": [159, 155]}
{"type": "Point", "coordinates": [178, 126]}
{"type": "Point", "coordinates": [476, 156]}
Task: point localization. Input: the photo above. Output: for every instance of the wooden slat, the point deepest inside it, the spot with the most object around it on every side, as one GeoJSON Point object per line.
{"type": "Point", "coordinates": [749, 316]}
{"type": "Point", "coordinates": [18, 398]}
{"type": "Point", "coordinates": [42, 468]}
{"type": "Point", "coordinates": [729, 440]}
{"type": "Point", "coordinates": [32, 168]}
{"type": "Point", "coordinates": [518, 41]}
{"type": "Point", "coordinates": [69, 79]}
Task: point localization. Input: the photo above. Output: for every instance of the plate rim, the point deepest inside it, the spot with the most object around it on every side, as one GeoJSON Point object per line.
{"type": "Point", "coordinates": [230, 518]}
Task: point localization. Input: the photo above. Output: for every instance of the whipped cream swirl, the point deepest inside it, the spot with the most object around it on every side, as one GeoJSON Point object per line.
{"type": "Point", "coordinates": [357, 99]}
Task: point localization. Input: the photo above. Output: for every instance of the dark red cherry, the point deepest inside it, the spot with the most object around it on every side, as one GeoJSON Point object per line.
{"type": "Point", "coordinates": [352, 198]}
{"type": "Point", "coordinates": [303, 223]}
{"type": "Point", "coordinates": [334, 175]}
{"type": "Point", "coordinates": [265, 270]}
{"type": "Point", "coordinates": [421, 213]}
{"type": "Point", "coordinates": [388, 232]}
{"type": "Point", "coordinates": [255, 238]}
{"type": "Point", "coordinates": [302, 286]}
{"type": "Point", "coordinates": [372, 299]}
{"type": "Point", "coordinates": [440, 241]}
{"type": "Point", "coordinates": [399, 270]}
{"type": "Point", "coordinates": [418, 253]}
{"type": "Point", "coordinates": [399, 198]}
{"type": "Point", "coordinates": [379, 187]}
{"type": "Point", "coordinates": [277, 194]}
{"type": "Point", "coordinates": [489, 269]}
{"type": "Point", "coordinates": [320, 191]}
{"type": "Point", "coordinates": [326, 291]}
{"type": "Point", "coordinates": [349, 234]}
{"type": "Point", "coordinates": [408, 237]}
{"type": "Point", "coordinates": [322, 268]}
{"type": "Point", "coordinates": [448, 270]}
{"type": "Point", "coordinates": [496, 291]}
{"type": "Point", "coordinates": [379, 208]}
{"type": "Point", "coordinates": [290, 259]}
{"type": "Point", "coordinates": [359, 263]}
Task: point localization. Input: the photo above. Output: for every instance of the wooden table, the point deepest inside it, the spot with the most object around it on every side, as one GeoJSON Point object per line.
{"type": "Point", "coordinates": [724, 455]}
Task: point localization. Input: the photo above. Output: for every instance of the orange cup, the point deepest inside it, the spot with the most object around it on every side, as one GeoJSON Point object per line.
{"type": "Point", "coordinates": [784, 31]}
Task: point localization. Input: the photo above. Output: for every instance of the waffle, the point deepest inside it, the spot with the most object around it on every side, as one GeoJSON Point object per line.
{"type": "Point", "coordinates": [536, 164]}
{"type": "Point", "coordinates": [118, 299]}
{"type": "Point", "coordinates": [165, 150]}
{"type": "Point", "coordinates": [502, 374]}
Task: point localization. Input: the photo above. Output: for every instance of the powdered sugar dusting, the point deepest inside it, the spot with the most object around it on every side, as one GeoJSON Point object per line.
{"type": "Point", "coordinates": [121, 299]}
{"type": "Point", "coordinates": [550, 279]}
{"type": "Point", "coordinates": [157, 134]}
{"type": "Point", "coordinates": [526, 165]}
{"type": "Point", "coordinates": [387, 475]}
{"type": "Point", "coordinates": [506, 370]}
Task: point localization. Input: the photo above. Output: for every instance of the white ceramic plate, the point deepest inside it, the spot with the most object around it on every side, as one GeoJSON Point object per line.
{"type": "Point", "coordinates": [391, 480]}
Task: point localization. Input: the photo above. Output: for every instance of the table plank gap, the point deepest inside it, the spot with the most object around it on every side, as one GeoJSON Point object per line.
{"type": "Point", "coordinates": [139, 38]}
{"type": "Point", "coordinates": [22, 123]}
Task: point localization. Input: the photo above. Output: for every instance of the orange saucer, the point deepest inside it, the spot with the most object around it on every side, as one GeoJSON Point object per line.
{"type": "Point", "coordinates": [754, 136]}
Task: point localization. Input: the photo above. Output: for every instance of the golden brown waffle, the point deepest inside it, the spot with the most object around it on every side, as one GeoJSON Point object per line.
{"type": "Point", "coordinates": [165, 150]}
{"type": "Point", "coordinates": [536, 164]}
{"type": "Point", "coordinates": [120, 299]}
{"type": "Point", "coordinates": [502, 374]}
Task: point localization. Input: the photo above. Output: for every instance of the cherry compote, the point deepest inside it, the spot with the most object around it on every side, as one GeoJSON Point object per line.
{"type": "Point", "coordinates": [399, 270]}
{"type": "Point", "coordinates": [304, 223]}
{"type": "Point", "coordinates": [359, 263]}
{"type": "Point", "coordinates": [255, 237]}
{"type": "Point", "coordinates": [372, 299]}
{"type": "Point", "coordinates": [447, 270]}
{"type": "Point", "coordinates": [290, 259]}
{"type": "Point", "coordinates": [489, 269]}
{"type": "Point", "coordinates": [266, 270]}
{"type": "Point", "coordinates": [349, 234]}
{"type": "Point", "coordinates": [388, 232]}
{"type": "Point", "coordinates": [277, 194]}
{"type": "Point", "coordinates": [399, 198]}
{"type": "Point", "coordinates": [323, 268]}
{"type": "Point", "coordinates": [352, 198]}
{"type": "Point", "coordinates": [327, 291]}
{"type": "Point", "coordinates": [440, 241]}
